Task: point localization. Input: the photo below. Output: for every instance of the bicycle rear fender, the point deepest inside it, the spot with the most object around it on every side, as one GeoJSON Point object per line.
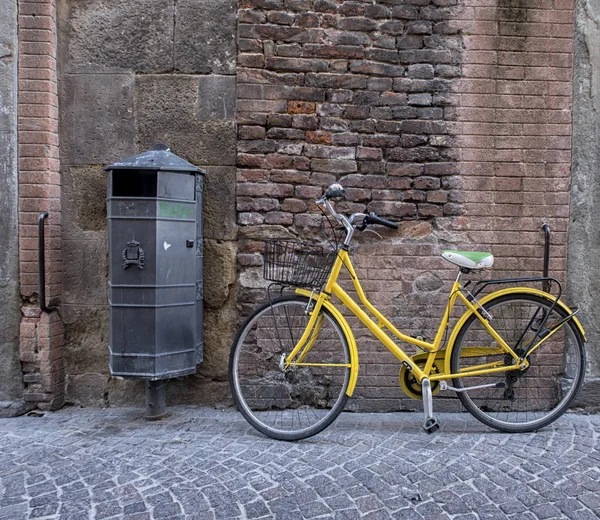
{"type": "Point", "coordinates": [347, 332]}
{"type": "Point", "coordinates": [496, 294]}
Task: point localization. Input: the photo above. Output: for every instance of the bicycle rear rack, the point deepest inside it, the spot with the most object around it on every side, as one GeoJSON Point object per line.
{"type": "Point", "coordinates": [545, 279]}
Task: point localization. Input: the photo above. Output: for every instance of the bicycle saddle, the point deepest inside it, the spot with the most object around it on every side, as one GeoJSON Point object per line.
{"type": "Point", "coordinates": [469, 260]}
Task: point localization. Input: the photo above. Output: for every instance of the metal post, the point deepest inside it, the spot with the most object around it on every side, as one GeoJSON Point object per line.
{"type": "Point", "coordinates": [546, 230]}
{"type": "Point", "coordinates": [42, 263]}
{"type": "Point", "coordinates": [156, 400]}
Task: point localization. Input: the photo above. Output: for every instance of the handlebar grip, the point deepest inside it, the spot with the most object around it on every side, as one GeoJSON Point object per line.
{"type": "Point", "coordinates": [374, 219]}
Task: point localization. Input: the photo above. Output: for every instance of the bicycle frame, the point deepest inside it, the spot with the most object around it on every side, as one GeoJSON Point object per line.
{"type": "Point", "coordinates": [382, 327]}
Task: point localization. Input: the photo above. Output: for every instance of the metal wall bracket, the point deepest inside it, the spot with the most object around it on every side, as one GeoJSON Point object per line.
{"type": "Point", "coordinates": [546, 283]}
{"type": "Point", "coordinates": [42, 263]}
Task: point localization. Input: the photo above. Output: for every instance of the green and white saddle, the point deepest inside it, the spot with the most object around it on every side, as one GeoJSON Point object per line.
{"type": "Point", "coordinates": [468, 259]}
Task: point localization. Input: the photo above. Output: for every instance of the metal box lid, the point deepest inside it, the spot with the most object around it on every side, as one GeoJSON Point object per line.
{"type": "Point", "coordinates": [159, 158]}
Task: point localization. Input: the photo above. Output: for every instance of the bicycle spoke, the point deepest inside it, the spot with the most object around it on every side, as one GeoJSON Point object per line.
{"type": "Point", "coordinates": [297, 401]}
{"type": "Point", "coordinates": [531, 397]}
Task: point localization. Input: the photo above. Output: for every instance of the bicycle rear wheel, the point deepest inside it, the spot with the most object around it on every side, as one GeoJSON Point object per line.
{"type": "Point", "coordinates": [295, 402]}
{"type": "Point", "coordinates": [529, 399]}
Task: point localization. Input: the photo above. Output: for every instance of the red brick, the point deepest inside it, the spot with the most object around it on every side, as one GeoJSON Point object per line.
{"type": "Point", "coordinates": [319, 137]}
{"type": "Point", "coordinates": [38, 150]}
{"type": "Point", "coordinates": [258, 189]}
{"type": "Point", "coordinates": [554, 16]}
{"type": "Point", "coordinates": [37, 48]}
{"type": "Point", "coordinates": [30, 164]}
{"type": "Point", "coordinates": [38, 98]}
{"type": "Point", "coordinates": [38, 73]}
{"type": "Point", "coordinates": [35, 20]}
{"type": "Point", "coordinates": [37, 35]}
{"type": "Point", "coordinates": [38, 124]}
{"type": "Point", "coordinates": [38, 137]}
{"type": "Point", "coordinates": [301, 107]}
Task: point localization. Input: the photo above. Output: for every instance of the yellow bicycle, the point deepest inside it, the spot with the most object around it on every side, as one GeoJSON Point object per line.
{"type": "Point", "coordinates": [515, 358]}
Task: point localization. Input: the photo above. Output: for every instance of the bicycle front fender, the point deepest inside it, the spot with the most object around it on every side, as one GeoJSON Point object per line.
{"type": "Point", "coordinates": [347, 333]}
{"type": "Point", "coordinates": [497, 294]}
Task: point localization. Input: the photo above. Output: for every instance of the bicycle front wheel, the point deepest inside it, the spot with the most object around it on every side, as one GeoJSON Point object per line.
{"type": "Point", "coordinates": [298, 401]}
{"type": "Point", "coordinates": [520, 401]}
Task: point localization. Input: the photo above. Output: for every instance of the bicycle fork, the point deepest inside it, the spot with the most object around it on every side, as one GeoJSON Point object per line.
{"type": "Point", "coordinates": [431, 423]}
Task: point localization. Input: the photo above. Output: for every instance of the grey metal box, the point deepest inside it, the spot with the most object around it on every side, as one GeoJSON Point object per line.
{"type": "Point", "coordinates": [154, 208]}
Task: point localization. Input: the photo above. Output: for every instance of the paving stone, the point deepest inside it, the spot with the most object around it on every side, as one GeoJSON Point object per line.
{"type": "Point", "coordinates": [204, 463]}
{"type": "Point", "coordinates": [545, 511]}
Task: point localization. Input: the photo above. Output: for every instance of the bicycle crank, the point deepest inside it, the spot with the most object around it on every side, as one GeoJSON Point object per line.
{"type": "Point", "coordinates": [431, 424]}
{"type": "Point", "coordinates": [282, 362]}
{"type": "Point", "coordinates": [409, 384]}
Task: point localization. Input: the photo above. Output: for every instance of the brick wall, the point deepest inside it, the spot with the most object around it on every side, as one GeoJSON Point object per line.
{"type": "Point", "coordinates": [450, 116]}
{"type": "Point", "coordinates": [39, 190]}
{"type": "Point", "coordinates": [351, 90]}
{"type": "Point", "coordinates": [514, 127]}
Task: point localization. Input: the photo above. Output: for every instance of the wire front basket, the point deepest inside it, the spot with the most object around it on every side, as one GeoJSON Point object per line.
{"type": "Point", "coordinates": [296, 263]}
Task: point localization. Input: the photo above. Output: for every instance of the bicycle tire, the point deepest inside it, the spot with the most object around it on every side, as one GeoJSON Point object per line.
{"type": "Point", "coordinates": [533, 398]}
{"type": "Point", "coordinates": [298, 402]}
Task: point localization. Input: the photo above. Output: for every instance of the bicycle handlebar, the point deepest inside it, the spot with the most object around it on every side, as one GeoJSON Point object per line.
{"type": "Point", "coordinates": [368, 218]}
{"type": "Point", "coordinates": [372, 218]}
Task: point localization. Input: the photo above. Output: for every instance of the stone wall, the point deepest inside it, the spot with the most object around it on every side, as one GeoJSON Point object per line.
{"type": "Point", "coordinates": [11, 385]}
{"type": "Point", "coordinates": [134, 73]}
{"type": "Point", "coordinates": [450, 116]}
{"type": "Point", "coordinates": [584, 230]}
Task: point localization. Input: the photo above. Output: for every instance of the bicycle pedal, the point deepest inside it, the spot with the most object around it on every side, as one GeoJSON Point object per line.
{"type": "Point", "coordinates": [431, 425]}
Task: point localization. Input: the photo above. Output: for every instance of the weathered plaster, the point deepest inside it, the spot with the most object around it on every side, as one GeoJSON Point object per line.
{"type": "Point", "coordinates": [11, 385]}
{"type": "Point", "coordinates": [584, 231]}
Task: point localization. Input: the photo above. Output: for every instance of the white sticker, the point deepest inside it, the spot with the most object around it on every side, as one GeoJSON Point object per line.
{"type": "Point", "coordinates": [167, 246]}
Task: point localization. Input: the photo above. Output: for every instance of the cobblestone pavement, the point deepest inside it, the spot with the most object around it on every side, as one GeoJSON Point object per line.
{"type": "Point", "coordinates": [209, 464]}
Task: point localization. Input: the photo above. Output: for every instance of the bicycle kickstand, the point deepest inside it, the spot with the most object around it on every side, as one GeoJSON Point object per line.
{"type": "Point", "coordinates": [431, 423]}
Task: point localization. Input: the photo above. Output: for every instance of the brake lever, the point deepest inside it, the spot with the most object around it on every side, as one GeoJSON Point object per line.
{"type": "Point", "coordinates": [373, 231]}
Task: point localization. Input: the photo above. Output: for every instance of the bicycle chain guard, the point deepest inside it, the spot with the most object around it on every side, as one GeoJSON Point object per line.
{"type": "Point", "coordinates": [408, 382]}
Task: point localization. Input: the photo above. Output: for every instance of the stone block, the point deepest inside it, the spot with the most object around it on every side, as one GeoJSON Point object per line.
{"type": "Point", "coordinates": [167, 111]}
{"type": "Point", "coordinates": [96, 118]}
{"type": "Point", "coordinates": [86, 338]}
{"type": "Point", "coordinates": [8, 97]}
{"type": "Point", "coordinates": [135, 35]}
{"type": "Point", "coordinates": [11, 382]}
{"type": "Point", "coordinates": [589, 395]}
{"type": "Point", "coordinates": [196, 390]}
{"type": "Point", "coordinates": [219, 203]}
{"type": "Point", "coordinates": [205, 36]}
{"type": "Point", "coordinates": [13, 409]}
{"type": "Point", "coordinates": [85, 271]}
{"type": "Point", "coordinates": [11, 385]}
{"type": "Point", "coordinates": [216, 98]}
{"type": "Point", "coordinates": [84, 202]}
{"type": "Point", "coordinates": [428, 282]}
{"type": "Point", "coordinates": [220, 270]}
{"type": "Point", "coordinates": [220, 327]}
{"type": "Point", "coordinates": [87, 389]}
{"type": "Point", "coordinates": [8, 67]}
{"type": "Point", "coordinates": [127, 392]}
